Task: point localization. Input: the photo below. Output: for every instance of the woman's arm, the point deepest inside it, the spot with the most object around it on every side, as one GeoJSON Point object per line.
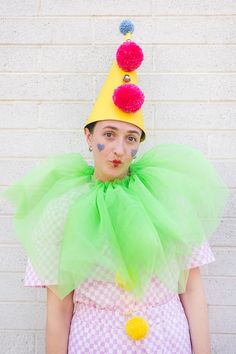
{"type": "Point", "coordinates": [59, 315]}
{"type": "Point", "coordinates": [195, 307]}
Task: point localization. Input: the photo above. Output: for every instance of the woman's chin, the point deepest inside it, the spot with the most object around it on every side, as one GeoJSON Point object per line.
{"type": "Point", "coordinates": [113, 172]}
{"type": "Point", "coordinates": [117, 174]}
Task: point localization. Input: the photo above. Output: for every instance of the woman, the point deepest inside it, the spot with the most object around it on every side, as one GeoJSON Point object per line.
{"type": "Point", "coordinates": [118, 144]}
{"type": "Point", "coordinates": [119, 244]}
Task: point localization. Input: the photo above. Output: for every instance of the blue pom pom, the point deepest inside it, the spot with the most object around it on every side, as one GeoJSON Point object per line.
{"type": "Point", "coordinates": [126, 26]}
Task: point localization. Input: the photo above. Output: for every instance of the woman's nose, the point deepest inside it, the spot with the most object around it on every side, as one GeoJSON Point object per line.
{"type": "Point", "coordinates": [119, 147]}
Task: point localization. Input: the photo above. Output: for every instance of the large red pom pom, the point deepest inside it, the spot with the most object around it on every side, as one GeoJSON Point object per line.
{"type": "Point", "coordinates": [129, 56]}
{"type": "Point", "coordinates": [128, 97]}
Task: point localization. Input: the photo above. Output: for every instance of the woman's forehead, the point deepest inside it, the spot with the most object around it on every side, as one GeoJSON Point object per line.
{"type": "Point", "coordinates": [117, 125]}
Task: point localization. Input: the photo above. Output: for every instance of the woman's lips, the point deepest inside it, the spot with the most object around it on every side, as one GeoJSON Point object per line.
{"type": "Point", "coordinates": [116, 162]}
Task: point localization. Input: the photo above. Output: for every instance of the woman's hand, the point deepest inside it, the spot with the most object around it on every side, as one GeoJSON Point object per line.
{"type": "Point", "coordinates": [195, 307]}
{"type": "Point", "coordinates": [59, 315]}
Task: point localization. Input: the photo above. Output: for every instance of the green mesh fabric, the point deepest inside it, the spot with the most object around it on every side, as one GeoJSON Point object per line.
{"type": "Point", "coordinates": [74, 226]}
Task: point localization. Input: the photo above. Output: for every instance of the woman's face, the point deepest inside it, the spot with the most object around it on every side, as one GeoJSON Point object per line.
{"type": "Point", "coordinates": [112, 142]}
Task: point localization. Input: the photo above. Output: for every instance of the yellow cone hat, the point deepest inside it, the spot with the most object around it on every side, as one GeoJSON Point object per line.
{"type": "Point", "coordinates": [120, 98]}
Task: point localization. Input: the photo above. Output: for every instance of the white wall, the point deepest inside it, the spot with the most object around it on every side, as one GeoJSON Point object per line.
{"type": "Point", "coordinates": [54, 57]}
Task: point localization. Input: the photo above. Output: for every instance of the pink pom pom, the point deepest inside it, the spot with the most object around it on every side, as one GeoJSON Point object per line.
{"type": "Point", "coordinates": [128, 97]}
{"type": "Point", "coordinates": [129, 56]}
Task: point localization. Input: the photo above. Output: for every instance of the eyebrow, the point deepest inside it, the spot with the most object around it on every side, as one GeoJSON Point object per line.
{"type": "Point", "coordinates": [114, 128]}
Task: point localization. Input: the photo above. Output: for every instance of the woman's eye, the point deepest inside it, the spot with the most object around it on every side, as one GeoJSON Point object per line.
{"type": "Point", "coordinates": [107, 134]}
{"type": "Point", "coordinates": [132, 138]}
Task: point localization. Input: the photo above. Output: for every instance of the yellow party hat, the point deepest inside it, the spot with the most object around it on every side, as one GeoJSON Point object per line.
{"type": "Point", "coordinates": [120, 98]}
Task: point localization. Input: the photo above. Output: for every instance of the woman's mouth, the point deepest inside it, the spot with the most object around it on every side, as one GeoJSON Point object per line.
{"type": "Point", "coordinates": [116, 162]}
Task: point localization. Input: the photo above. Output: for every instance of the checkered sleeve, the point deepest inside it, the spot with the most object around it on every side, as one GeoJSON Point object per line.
{"type": "Point", "coordinates": [31, 278]}
{"type": "Point", "coordinates": [200, 255]}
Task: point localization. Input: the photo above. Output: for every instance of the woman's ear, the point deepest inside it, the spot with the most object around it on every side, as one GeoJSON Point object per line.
{"type": "Point", "coordinates": [88, 136]}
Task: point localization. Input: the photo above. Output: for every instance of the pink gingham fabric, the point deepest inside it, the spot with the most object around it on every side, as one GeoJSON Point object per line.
{"type": "Point", "coordinates": [102, 309]}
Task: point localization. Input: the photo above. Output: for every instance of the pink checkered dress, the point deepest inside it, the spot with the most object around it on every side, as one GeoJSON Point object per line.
{"type": "Point", "coordinates": [102, 310]}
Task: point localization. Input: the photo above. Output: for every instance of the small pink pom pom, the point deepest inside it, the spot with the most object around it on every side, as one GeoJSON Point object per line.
{"type": "Point", "coordinates": [129, 56]}
{"type": "Point", "coordinates": [128, 97]}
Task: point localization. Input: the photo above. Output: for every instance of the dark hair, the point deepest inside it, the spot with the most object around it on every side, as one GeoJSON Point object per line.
{"type": "Point", "coordinates": [91, 126]}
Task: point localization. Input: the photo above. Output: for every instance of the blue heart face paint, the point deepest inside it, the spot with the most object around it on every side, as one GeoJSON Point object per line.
{"type": "Point", "coordinates": [100, 147]}
{"type": "Point", "coordinates": [134, 152]}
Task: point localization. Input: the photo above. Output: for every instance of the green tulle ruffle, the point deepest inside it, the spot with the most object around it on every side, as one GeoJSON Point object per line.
{"type": "Point", "coordinates": [74, 226]}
